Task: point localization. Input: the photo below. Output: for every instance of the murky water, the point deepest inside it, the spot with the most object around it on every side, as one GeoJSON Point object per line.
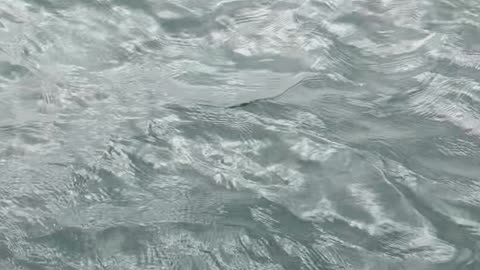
{"type": "Point", "coordinates": [195, 134]}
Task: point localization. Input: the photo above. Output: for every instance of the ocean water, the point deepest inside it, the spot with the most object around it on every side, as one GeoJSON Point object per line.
{"type": "Point", "coordinates": [240, 134]}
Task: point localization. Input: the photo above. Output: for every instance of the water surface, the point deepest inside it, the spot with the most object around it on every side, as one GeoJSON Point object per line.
{"type": "Point", "coordinates": [195, 134]}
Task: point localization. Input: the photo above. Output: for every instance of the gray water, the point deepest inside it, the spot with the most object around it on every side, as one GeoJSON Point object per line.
{"type": "Point", "coordinates": [195, 134]}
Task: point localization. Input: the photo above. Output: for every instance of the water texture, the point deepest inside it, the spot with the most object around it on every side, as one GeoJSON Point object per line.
{"type": "Point", "coordinates": [195, 134]}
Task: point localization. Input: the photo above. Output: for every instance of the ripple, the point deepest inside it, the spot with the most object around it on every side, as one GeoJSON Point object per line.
{"type": "Point", "coordinates": [239, 135]}
{"type": "Point", "coordinates": [11, 71]}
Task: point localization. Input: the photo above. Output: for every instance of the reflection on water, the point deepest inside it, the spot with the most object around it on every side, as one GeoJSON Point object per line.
{"type": "Point", "coordinates": [194, 134]}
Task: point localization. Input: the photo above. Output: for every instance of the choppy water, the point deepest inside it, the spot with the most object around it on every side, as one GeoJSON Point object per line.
{"type": "Point", "coordinates": [128, 139]}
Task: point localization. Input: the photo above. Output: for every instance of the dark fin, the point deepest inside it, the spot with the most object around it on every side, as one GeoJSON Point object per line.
{"type": "Point", "coordinates": [244, 104]}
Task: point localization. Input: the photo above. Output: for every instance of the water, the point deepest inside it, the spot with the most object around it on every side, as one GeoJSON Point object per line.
{"type": "Point", "coordinates": [195, 134]}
